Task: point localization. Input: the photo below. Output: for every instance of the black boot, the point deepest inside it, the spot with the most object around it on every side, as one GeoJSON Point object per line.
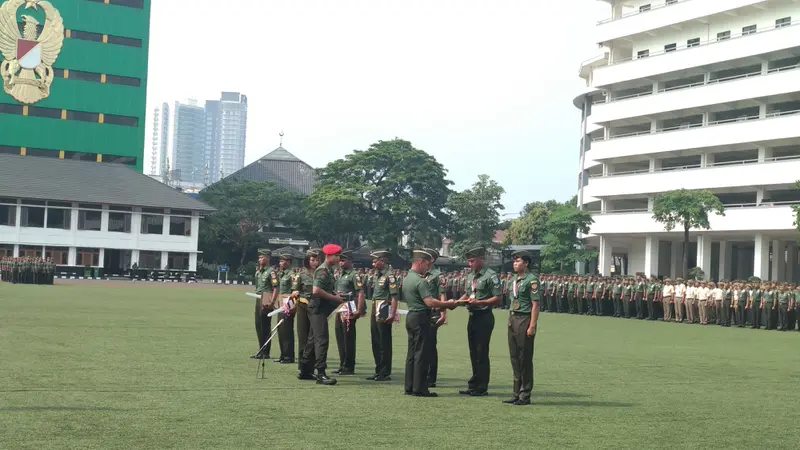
{"type": "Point", "coordinates": [323, 378]}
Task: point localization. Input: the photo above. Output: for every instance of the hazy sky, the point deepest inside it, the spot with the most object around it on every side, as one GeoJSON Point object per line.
{"type": "Point", "coordinates": [485, 86]}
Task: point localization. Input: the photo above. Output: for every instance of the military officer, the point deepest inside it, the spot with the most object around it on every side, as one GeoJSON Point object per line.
{"type": "Point", "coordinates": [285, 278]}
{"type": "Point", "coordinates": [302, 289]}
{"type": "Point", "coordinates": [385, 293]}
{"type": "Point", "coordinates": [264, 304]}
{"type": "Point", "coordinates": [484, 292]}
{"type": "Point", "coordinates": [436, 284]}
{"type": "Point", "coordinates": [349, 287]}
{"type": "Point", "coordinates": [522, 321]}
{"type": "Point", "coordinates": [322, 303]}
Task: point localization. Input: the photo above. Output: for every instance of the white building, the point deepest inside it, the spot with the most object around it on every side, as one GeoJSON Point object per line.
{"type": "Point", "coordinates": [695, 94]}
{"type": "Point", "coordinates": [226, 134]}
{"type": "Point", "coordinates": [99, 215]}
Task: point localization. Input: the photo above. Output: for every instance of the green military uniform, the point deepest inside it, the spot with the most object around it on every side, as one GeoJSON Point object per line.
{"type": "Point", "coordinates": [418, 326]}
{"type": "Point", "coordinates": [617, 298]}
{"type": "Point", "coordinates": [385, 290]}
{"type": "Point", "coordinates": [286, 330]}
{"type": "Point", "coordinates": [315, 353]}
{"type": "Point", "coordinates": [482, 285]}
{"type": "Point", "coordinates": [304, 284]}
{"type": "Point", "coordinates": [755, 309]}
{"type": "Point", "coordinates": [436, 284]}
{"type": "Point", "coordinates": [652, 286]}
{"type": "Point", "coordinates": [264, 286]}
{"type": "Point", "coordinates": [640, 299]}
{"type": "Point", "coordinates": [783, 310]}
{"type": "Point", "coordinates": [524, 299]}
{"type": "Point", "coordinates": [348, 286]}
{"type": "Point", "coordinates": [767, 314]}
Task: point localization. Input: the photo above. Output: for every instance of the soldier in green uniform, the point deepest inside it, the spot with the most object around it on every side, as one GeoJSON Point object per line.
{"type": "Point", "coordinates": [522, 321]}
{"type": "Point", "coordinates": [420, 300]}
{"type": "Point", "coordinates": [617, 297]}
{"type": "Point", "coordinates": [264, 289]}
{"type": "Point", "coordinates": [641, 300]}
{"type": "Point", "coordinates": [768, 307]}
{"type": "Point", "coordinates": [385, 294]}
{"type": "Point", "coordinates": [302, 289]}
{"type": "Point", "coordinates": [783, 308]}
{"type": "Point", "coordinates": [436, 284]}
{"type": "Point", "coordinates": [286, 330]}
{"type": "Point", "coordinates": [484, 292]}
{"type": "Point", "coordinates": [652, 287]}
{"type": "Point", "coordinates": [754, 305]}
{"type": "Point", "coordinates": [322, 303]}
{"type": "Point", "coordinates": [348, 287]}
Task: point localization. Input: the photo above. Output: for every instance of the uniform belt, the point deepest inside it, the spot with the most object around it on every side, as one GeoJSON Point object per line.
{"type": "Point", "coordinates": [519, 313]}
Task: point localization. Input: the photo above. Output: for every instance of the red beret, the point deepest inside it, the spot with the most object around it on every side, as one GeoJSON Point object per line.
{"type": "Point", "coordinates": [331, 249]}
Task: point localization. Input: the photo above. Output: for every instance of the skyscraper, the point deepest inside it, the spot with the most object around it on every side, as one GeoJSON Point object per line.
{"type": "Point", "coordinates": [226, 134]}
{"type": "Point", "coordinates": [188, 142]}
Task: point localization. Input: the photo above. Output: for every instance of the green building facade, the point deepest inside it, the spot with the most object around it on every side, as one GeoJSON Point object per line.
{"type": "Point", "coordinates": [97, 103]}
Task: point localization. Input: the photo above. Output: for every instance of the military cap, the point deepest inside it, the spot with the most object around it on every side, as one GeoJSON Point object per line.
{"type": "Point", "coordinates": [376, 254]}
{"type": "Point", "coordinates": [433, 252]}
{"type": "Point", "coordinates": [316, 252]}
{"type": "Point", "coordinates": [478, 252]}
{"type": "Point", "coordinates": [331, 249]}
{"type": "Point", "coordinates": [524, 255]}
{"type": "Point", "coordinates": [346, 254]}
{"type": "Point", "coordinates": [422, 253]}
{"type": "Point", "coordinates": [286, 256]}
{"type": "Point", "coordinates": [264, 252]}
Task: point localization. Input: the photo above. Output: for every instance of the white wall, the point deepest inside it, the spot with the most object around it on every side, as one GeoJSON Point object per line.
{"type": "Point", "coordinates": [636, 253]}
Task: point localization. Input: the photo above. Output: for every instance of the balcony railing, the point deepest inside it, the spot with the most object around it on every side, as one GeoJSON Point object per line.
{"type": "Point", "coordinates": [637, 12]}
{"type": "Point", "coordinates": [727, 206]}
{"type": "Point", "coordinates": [697, 166]}
{"type": "Point", "coordinates": [687, 126]}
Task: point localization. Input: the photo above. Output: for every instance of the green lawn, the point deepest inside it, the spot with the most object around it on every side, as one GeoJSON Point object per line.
{"type": "Point", "coordinates": [143, 366]}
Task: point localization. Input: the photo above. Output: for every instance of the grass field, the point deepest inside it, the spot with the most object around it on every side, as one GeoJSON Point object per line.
{"type": "Point", "coordinates": [146, 366]}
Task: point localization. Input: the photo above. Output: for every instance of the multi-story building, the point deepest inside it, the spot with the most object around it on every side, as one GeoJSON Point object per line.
{"type": "Point", "coordinates": [695, 94]}
{"type": "Point", "coordinates": [94, 108]}
{"type": "Point", "coordinates": [189, 156]}
{"type": "Point", "coordinates": [226, 134]}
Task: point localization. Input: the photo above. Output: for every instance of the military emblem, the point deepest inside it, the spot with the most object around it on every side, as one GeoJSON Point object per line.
{"type": "Point", "coordinates": [27, 68]}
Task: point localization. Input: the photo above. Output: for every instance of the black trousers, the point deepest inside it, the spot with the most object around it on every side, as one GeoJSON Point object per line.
{"type": "Point", "coordinates": [286, 337]}
{"type": "Point", "coordinates": [433, 369]}
{"type": "Point", "coordinates": [303, 329]}
{"type": "Point", "coordinates": [381, 335]}
{"type": "Point", "coordinates": [418, 327]}
{"type": "Point", "coordinates": [520, 348]}
{"type": "Point", "coordinates": [315, 353]}
{"type": "Point", "coordinates": [346, 343]}
{"type": "Point", "coordinates": [263, 327]}
{"type": "Point", "coordinates": [479, 335]}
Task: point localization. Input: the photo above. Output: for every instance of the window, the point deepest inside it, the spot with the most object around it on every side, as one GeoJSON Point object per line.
{"type": "Point", "coordinates": [86, 36]}
{"type": "Point", "coordinates": [152, 224]}
{"type": "Point", "coordinates": [82, 116]}
{"type": "Point", "coordinates": [180, 226]}
{"type": "Point", "coordinates": [119, 222]}
{"type": "Point", "coordinates": [90, 220]}
{"type": "Point", "coordinates": [670, 48]}
{"type": "Point", "coordinates": [32, 217]}
{"type": "Point", "coordinates": [643, 54]}
{"type": "Point", "coordinates": [786, 21]}
{"type": "Point", "coordinates": [120, 208]}
{"type": "Point", "coordinates": [38, 111]}
{"type": "Point", "coordinates": [671, 2]}
{"type": "Point", "coordinates": [750, 29]}
{"type": "Point", "coordinates": [10, 109]}
{"type": "Point", "coordinates": [88, 257]}
{"type": "Point", "coordinates": [123, 81]}
{"type": "Point", "coordinates": [149, 260]}
{"type": "Point", "coordinates": [127, 42]}
{"type": "Point", "coordinates": [6, 250]}
{"type": "Point", "coordinates": [127, 160]}
{"type": "Point", "coordinates": [121, 120]}
{"type": "Point", "coordinates": [26, 251]}
{"type": "Point", "coordinates": [85, 76]}
{"type": "Point", "coordinates": [59, 255]}
{"type": "Point", "coordinates": [693, 42]}
{"type": "Point", "coordinates": [644, 8]}
{"type": "Point", "coordinates": [59, 218]}
{"type": "Point", "coordinates": [723, 35]}
{"type": "Point", "coordinates": [8, 215]}
{"type": "Point", "coordinates": [178, 261]}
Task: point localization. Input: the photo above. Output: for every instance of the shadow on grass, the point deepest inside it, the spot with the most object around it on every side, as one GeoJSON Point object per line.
{"type": "Point", "coordinates": [57, 409]}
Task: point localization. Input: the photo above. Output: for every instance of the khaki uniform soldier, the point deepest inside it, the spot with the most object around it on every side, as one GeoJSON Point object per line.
{"type": "Point", "coordinates": [349, 287]}
{"type": "Point", "coordinates": [436, 283]}
{"type": "Point", "coordinates": [322, 303]}
{"type": "Point", "coordinates": [680, 299]}
{"type": "Point", "coordinates": [484, 292]}
{"type": "Point", "coordinates": [667, 297]}
{"type": "Point", "coordinates": [264, 304]}
{"type": "Point", "coordinates": [384, 310]}
{"type": "Point", "coordinates": [522, 321]}
{"type": "Point", "coordinates": [302, 289]}
{"type": "Point", "coordinates": [286, 330]}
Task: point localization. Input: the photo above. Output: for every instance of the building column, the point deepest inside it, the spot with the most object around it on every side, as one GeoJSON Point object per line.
{"type": "Point", "coordinates": [778, 261]}
{"type": "Point", "coordinates": [605, 256]}
{"type": "Point", "coordinates": [650, 256]}
{"type": "Point", "coordinates": [725, 255]}
{"type": "Point", "coordinates": [791, 261]}
{"type": "Point", "coordinates": [101, 259]}
{"type": "Point", "coordinates": [164, 260]}
{"type": "Point", "coordinates": [72, 255]}
{"type": "Point", "coordinates": [16, 249]}
{"type": "Point", "coordinates": [761, 257]}
{"type": "Point", "coordinates": [606, 206]}
{"type": "Point", "coordinates": [704, 254]}
{"type": "Point", "coordinates": [134, 257]}
{"type": "Point", "coordinates": [762, 110]}
{"type": "Point", "coordinates": [193, 261]}
{"type": "Point", "coordinates": [706, 118]}
{"type": "Point", "coordinates": [655, 164]}
{"type": "Point", "coordinates": [764, 154]}
{"type": "Point", "coordinates": [675, 259]}
{"type": "Point", "coordinates": [650, 203]}
{"type": "Point", "coordinates": [608, 169]}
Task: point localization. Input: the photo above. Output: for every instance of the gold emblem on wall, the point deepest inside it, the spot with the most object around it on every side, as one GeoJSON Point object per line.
{"type": "Point", "coordinates": [29, 55]}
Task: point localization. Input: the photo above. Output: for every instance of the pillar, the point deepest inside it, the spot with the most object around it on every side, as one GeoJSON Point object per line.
{"type": "Point", "coordinates": [706, 77]}
{"type": "Point", "coordinates": [725, 255]}
{"type": "Point", "coordinates": [650, 203]}
{"type": "Point", "coordinates": [193, 262]}
{"type": "Point", "coordinates": [706, 118]}
{"type": "Point", "coordinates": [164, 260]}
{"type": "Point", "coordinates": [791, 262]}
{"type": "Point", "coordinates": [606, 206]}
{"type": "Point", "coordinates": [655, 164]}
{"type": "Point", "coordinates": [704, 254]}
{"type": "Point", "coordinates": [651, 255]}
{"type": "Point", "coordinates": [134, 257]}
{"type": "Point", "coordinates": [761, 257]}
{"type": "Point", "coordinates": [762, 110]}
{"type": "Point", "coordinates": [16, 248]}
{"type": "Point", "coordinates": [606, 250]}
{"type": "Point", "coordinates": [101, 259]}
{"type": "Point", "coordinates": [657, 87]}
{"type": "Point", "coordinates": [72, 254]}
{"type": "Point", "coordinates": [778, 261]}
{"type": "Point", "coordinates": [676, 261]}
{"type": "Point", "coordinates": [608, 169]}
{"type": "Point", "coordinates": [764, 67]}
{"type": "Point", "coordinates": [764, 154]}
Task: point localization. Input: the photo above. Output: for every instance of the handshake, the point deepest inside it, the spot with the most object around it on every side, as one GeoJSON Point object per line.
{"type": "Point", "coordinates": [452, 304]}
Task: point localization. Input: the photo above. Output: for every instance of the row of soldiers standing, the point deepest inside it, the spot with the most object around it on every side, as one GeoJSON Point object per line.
{"type": "Point", "coordinates": [27, 270]}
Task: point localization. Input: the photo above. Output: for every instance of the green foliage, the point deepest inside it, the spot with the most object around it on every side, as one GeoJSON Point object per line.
{"type": "Point", "coordinates": [382, 193]}
{"type": "Point", "coordinates": [531, 228]}
{"type": "Point", "coordinates": [475, 214]}
{"type": "Point", "coordinates": [563, 245]}
{"type": "Point", "coordinates": [244, 210]}
{"type": "Point", "coordinates": [697, 274]}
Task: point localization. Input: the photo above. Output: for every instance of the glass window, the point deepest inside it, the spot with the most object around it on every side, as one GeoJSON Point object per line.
{"type": "Point", "coordinates": [59, 255]}
{"type": "Point", "coordinates": [644, 8]}
{"type": "Point", "coordinates": [748, 30]}
{"type": "Point", "coordinates": [180, 226]}
{"type": "Point", "coordinates": [670, 47]}
{"type": "Point", "coordinates": [783, 22]}
{"type": "Point", "coordinates": [59, 218]}
{"type": "Point", "coordinates": [27, 251]}
{"type": "Point", "coordinates": [643, 54]}
{"type": "Point", "coordinates": [128, 42]}
{"type": "Point", "coordinates": [123, 81]}
{"type": "Point", "coordinates": [32, 217]}
{"type": "Point", "coordinates": [88, 257]}
{"type": "Point", "coordinates": [152, 224]}
{"type": "Point", "coordinates": [110, 119]}
{"type": "Point", "coordinates": [8, 215]}
{"type": "Point", "coordinates": [119, 222]}
{"type": "Point", "coordinates": [149, 260]}
{"type": "Point", "coordinates": [90, 220]}
{"type": "Point", "coordinates": [6, 250]}
{"type": "Point", "coordinates": [178, 261]}
{"type": "Point", "coordinates": [693, 42]}
{"type": "Point", "coordinates": [723, 35]}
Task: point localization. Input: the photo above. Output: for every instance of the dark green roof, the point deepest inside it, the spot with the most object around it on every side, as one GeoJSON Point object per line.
{"type": "Point", "coordinates": [40, 178]}
{"type": "Point", "coordinates": [281, 167]}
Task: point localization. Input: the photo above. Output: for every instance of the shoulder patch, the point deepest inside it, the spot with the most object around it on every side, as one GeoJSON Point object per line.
{"type": "Point", "coordinates": [534, 286]}
{"type": "Point", "coordinates": [495, 280]}
{"type": "Point", "coordinates": [443, 282]}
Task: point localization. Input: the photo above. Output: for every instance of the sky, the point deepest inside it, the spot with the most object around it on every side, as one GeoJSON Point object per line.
{"type": "Point", "coordinates": [485, 86]}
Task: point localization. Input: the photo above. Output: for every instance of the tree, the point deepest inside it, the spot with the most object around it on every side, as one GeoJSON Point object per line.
{"type": "Point", "coordinates": [383, 193]}
{"type": "Point", "coordinates": [531, 227]}
{"type": "Point", "coordinates": [563, 246]}
{"type": "Point", "coordinates": [475, 214]}
{"type": "Point", "coordinates": [244, 210]}
{"type": "Point", "coordinates": [796, 209]}
{"type": "Point", "coordinates": [688, 209]}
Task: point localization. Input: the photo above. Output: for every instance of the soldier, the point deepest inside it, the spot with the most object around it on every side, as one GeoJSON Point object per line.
{"type": "Point", "coordinates": [667, 298]}
{"type": "Point", "coordinates": [484, 293]}
{"type": "Point", "coordinates": [384, 304]}
{"type": "Point", "coordinates": [322, 303]}
{"type": "Point", "coordinates": [264, 289]}
{"type": "Point", "coordinates": [783, 308]}
{"type": "Point", "coordinates": [285, 278]}
{"type": "Point", "coordinates": [616, 298]}
{"type": "Point", "coordinates": [680, 299]}
{"type": "Point", "coordinates": [691, 294]}
{"type": "Point", "coordinates": [640, 298]}
{"type": "Point", "coordinates": [436, 283]}
{"type": "Point", "coordinates": [302, 290]}
{"type": "Point", "coordinates": [522, 321]}
{"type": "Point", "coordinates": [420, 301]}
{"type": "Point", "coordinates": [767, 306]}
{"type": "Point", "coordinates": [651, 297]}
{"type": "Point", "coordinates": [348, 286]}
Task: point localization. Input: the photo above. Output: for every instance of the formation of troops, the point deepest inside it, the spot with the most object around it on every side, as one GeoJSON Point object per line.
{"type": "Point", "coordinates": [304, 298]}
{"type": "Point", "coordinates": [27, 270]}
